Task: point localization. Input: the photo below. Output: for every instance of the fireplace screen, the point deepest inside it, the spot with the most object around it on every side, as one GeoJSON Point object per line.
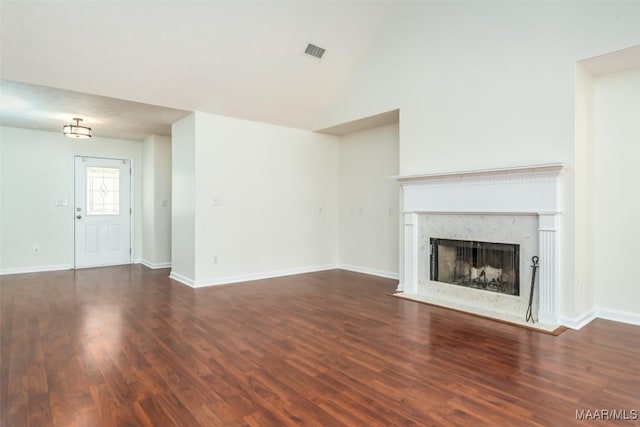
{"type": "Point", "coordinates": [481, 265]}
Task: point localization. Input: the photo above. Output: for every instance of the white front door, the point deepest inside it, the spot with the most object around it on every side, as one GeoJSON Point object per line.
{"type": "Point", "coordinates": [102, 211]}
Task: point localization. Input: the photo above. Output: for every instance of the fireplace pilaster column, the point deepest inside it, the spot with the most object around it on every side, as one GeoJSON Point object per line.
{"type": "Point", "coordinates": [547, 278]}
{"type": "Point", "coordinates": [410, 268]}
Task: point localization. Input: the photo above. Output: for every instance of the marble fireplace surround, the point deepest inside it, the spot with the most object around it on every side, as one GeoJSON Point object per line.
{"type": "Point", "coordinates": [520, 204]}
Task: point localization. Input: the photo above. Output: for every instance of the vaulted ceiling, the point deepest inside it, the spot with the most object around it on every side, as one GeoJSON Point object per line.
{"type": "Point", "coordinates": [243, 58]}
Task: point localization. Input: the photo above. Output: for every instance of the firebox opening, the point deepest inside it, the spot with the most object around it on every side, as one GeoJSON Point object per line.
{"type": "Point", "coordinates": [480, 265]}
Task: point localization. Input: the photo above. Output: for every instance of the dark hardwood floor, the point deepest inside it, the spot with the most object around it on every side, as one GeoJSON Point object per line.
{"type": "Point", "coordinates": [125, 346]}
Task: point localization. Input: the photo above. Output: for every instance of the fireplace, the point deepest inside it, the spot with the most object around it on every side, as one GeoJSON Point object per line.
{"type": "Point", "coordinates": [469, 237]}
{"type": "Point", "coordinates": [481, 265]}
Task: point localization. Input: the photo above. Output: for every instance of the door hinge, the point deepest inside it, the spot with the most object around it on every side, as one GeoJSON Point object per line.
{"type": "Point", "coordinates": [129, 251]}
{"type": "Point", "coordinates": [130, 212]}
{"type": "Point", "coordinates": [129, 171]}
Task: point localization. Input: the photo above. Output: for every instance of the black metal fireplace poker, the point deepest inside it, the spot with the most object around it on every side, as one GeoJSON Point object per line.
{"type": "Point", "coordinates": [534, 266]}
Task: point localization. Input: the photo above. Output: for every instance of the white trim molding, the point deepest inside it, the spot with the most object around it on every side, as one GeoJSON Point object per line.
{"type": "Point", "coordinates": [618, 316]}
{"type": "Point", "coordinates": [600, 313]}
{"type": "Point", "coordinates": [226, 280]}
{"type": "Point", "coordinates": [410, 264]}
{"type": "Point", "coordinates": [530, 189]}
{"type": "Point", "coordinates": [155, 265]}
{"type": "Point", "coordinates": [370, 271]}
{"type": "Point", "coordinates": [580, 321]}
{"type": "Point", "coordinates": [548, 295]}
{"type": "Point", "coordinates": [506, 174]}
{"type": "Point", "coordinates": [35, 269]}
{"type": "Point", "coordinates": [182, 279]}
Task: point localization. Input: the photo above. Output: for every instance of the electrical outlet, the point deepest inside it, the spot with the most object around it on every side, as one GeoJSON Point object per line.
{"type": "Point", "coordinates": [215, 259]}
{"type": "Point", "coordinates": [36, 250]}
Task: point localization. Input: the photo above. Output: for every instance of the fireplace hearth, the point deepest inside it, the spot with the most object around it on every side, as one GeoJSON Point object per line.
{"type": "Point", "coordinates": [480, 265]}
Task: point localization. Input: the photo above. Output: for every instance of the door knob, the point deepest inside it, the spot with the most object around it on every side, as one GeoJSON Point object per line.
{"type": "Point", "coordinates": [79, 216]}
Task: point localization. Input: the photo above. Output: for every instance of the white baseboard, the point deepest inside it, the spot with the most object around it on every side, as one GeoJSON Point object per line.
{"type": "Point", "coordinates": [225, 280]}
{"type": "Point", "coordinates": [155, 265]}
{"type": "Point", "coordinates": [371, 271]}
{"type": "Point", "coordinates": [36, 269]}
{"type": "Point", "coordinates": [182, 279]}
{"type": "Point", "coordinates": [601, 313]}
{"type": "Point", "coordinates": [618, 316]}
{"type": "Point", "coordinates": [580, 321]}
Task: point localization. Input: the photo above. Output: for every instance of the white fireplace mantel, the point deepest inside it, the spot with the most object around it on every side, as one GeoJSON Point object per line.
{"type": "Point", "coordinates": [513, 172]}
{"type": "Point", "coordinates": [521, 190]}
{"type": "Point", "coordinates": [526, 189]}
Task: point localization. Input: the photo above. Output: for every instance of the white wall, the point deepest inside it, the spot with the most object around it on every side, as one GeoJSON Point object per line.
{"type": "Point", "coordinates": [487, 84]}
{"type": "Point", "coordinates": [37, 170]}
{"type": "Point", "coordinates": [183, 189]}
{"type": "Point", "coordinates": [163, 197]}
{"type": "Point", "coordinates": [616, 191]}
{"type": "Point", "coordinates": [156, 181]}
{"type": "Point", "coordinates": [369, 201]}
{"type": "Point", "coordinates": [277, 188]}
{"type": "Point", "coordinates": [584, 187]}
{"type": "Point", "coordinates": [148, 201]}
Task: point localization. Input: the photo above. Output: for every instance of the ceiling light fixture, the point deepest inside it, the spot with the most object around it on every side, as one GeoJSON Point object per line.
{"type": "Point", "coordinates": [77, 130]}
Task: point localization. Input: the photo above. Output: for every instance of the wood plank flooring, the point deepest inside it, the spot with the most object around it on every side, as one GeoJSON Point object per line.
{"type": "Point", "coordinates": [126, 346]}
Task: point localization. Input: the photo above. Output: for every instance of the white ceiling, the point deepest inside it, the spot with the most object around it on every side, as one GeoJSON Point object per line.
{"type": "Point", "coordinates": [243, 59]}
{"type": "Point", "coordinates": [42, 108]}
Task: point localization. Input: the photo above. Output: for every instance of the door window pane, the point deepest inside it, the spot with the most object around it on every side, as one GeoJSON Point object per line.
{"type": "Point", "coordinates": [103, 191]}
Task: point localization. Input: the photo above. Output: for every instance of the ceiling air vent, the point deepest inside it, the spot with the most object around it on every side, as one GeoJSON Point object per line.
{"type": "Point", "coordinates": [314, 50]}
